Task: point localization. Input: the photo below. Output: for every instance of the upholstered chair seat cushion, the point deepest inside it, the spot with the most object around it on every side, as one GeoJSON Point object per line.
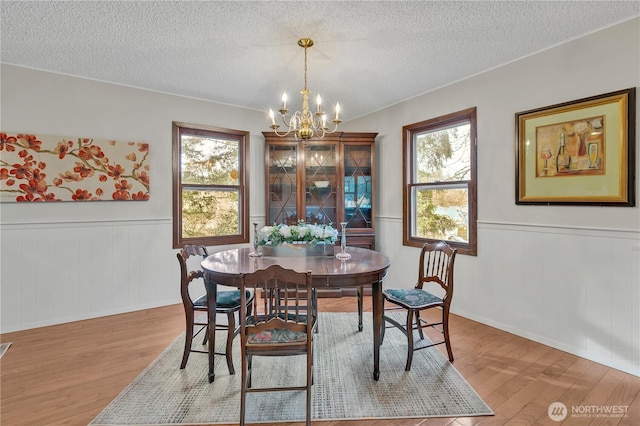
{"type": "Point", "coordinates": [411, 298]}
{"type": "Point", "coordinates": [277, 335]}
{"type": "Point", "coordinates": [224, 299]}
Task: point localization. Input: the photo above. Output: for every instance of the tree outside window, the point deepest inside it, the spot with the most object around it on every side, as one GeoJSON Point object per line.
{"type": "Point", "coordinates": [210, 197]}
{"type": "Point", "coordinates": [440, 181]}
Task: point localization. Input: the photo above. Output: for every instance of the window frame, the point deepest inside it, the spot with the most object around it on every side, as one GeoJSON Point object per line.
{"type": "Point", "coordinates": [180, 128]}
{"type": "Point", "coordinates": [408, 162]}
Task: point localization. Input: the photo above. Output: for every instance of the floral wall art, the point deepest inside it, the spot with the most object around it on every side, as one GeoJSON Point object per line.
{"type": "Point", "coordinates": [55, 168]}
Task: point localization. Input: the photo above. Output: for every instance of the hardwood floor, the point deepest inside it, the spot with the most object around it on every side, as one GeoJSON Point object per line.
{"type": "Point", "coordinates": [66, 374]}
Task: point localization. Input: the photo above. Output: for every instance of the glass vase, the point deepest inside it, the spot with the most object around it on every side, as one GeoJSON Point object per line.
{"type": "Point", "coordinates": [343, 255]}
{"type": "Point", "coordinates": [257, 248]}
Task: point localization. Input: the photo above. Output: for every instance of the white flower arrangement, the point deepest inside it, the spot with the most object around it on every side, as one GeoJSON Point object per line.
{"type": "Point", "coordinates": [300, 233]}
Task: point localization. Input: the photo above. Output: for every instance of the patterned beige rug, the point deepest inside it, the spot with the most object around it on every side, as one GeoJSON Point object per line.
{"type": "Point", "coordinates": [4, 347]}
{"type": "Point", "coordinates": [343, 384]}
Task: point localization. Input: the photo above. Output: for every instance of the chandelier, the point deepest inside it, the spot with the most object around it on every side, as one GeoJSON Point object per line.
{"type": "Point", "coordinates": [305, 124]}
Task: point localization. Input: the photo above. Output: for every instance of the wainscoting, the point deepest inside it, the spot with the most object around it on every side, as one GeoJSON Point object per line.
{"type": "Point", "coordinates": [59, 272]}
{"type": "Point", "coordinates": [575, 289]}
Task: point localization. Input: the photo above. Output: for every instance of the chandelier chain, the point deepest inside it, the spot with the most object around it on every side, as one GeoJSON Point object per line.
{"type": "Point", "coordinates": [305, 68]}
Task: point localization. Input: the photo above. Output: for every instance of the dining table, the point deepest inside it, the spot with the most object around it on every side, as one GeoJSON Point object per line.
{"type": "Point", "coordinates": [364, 268]}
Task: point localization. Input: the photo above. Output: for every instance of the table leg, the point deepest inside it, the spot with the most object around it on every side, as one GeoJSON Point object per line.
{"type": "Point", "coordinates": [360, 294]}
{"type": "Point", "coordinates": [212, 289]}
{"type": "Point", "coordinates": [376, 292]}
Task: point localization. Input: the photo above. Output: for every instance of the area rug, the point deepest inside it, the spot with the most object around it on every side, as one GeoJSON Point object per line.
{"type": "Point", "coordinates": [343, 384]}
{"type": "Point", "coordinates": [4, 347]}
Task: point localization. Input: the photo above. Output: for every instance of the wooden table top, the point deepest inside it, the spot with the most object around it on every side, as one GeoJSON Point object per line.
{"type": "Point", "coordinates": [365, 266]}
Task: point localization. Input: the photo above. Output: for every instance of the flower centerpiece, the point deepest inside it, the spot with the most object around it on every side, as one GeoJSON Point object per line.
{"type": "Point", "coordinates": [300, 236]}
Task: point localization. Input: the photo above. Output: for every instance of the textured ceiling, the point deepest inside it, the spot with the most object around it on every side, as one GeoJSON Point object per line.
{"type": "Point", "coordinates": [367, 55]}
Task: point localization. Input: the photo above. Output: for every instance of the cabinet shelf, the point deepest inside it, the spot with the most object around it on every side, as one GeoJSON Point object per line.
{"type": "Point", "coordinates": [360, 170]}
{"type": "Point", "coordinates": [276, 169]}
{"type": "Point", "coordinates": [329, 169]}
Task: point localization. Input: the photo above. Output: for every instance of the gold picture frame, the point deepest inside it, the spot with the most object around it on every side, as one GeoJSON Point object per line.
{"type": "Point", "coordinates": [578, 153]}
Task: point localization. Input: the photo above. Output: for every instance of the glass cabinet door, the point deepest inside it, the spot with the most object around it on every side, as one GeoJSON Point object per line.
{"type": "Point", "coordinates": [358, 188]}
{"type": "Point", "coordinates": [320, 183]}
{"type": "Point", "coordinates": [281, 186]}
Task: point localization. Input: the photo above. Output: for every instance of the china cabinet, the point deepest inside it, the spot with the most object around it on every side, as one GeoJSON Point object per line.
{"type": "Point", "coordinates": [328, 180]}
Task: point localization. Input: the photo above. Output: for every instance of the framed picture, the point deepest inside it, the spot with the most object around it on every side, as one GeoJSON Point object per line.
{"type": "Point", "coordinates": [578, 153]}
{"type": "Point", "coordinates": [37, 168]}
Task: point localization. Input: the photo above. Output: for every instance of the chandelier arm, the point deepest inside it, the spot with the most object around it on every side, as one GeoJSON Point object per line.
{"type": "Point", "coordinates": [289, 124]}
{"type": "Point", "coordinates": [275, 130]}
{"type": "Point", "coordinates": [317, 121]}
{"type": "Point", "coordinates": [326, 129]}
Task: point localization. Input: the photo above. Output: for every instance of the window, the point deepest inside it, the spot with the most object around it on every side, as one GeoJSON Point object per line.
{"type": "Point", "coordinates": [210, 192]}
{"type": "Point", "coordinates": [439, 181]}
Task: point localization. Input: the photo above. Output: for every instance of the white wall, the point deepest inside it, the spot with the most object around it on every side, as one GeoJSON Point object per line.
{"type": "Point", "coordinates": [565, 276]}
{"type": "Point", "coordinates": [68, 261]}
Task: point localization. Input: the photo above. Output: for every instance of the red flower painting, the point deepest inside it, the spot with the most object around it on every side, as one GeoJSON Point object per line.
{"type": "Point", "coordinates": [36, 168]}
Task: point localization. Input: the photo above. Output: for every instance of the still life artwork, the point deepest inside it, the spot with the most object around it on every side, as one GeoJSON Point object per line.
{"type": "Point", "coordinates": [36, 168]}
{"type": "Point", "coordinates": [571, 148]}
{"type": "Point", "coordinates": [580, 152]}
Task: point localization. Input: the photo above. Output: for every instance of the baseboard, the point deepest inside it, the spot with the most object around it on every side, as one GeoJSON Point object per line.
{"type": "Point", "coordinates": [624, 367]}
{"type": "Point", "coordinates": [92, 315]}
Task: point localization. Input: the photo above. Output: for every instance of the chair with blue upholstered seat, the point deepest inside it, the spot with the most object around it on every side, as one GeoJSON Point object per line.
{"type": "Point", "coordinates": [435, 269]}
{"type": "Point", "coordinates": [279, 322]}
{"type": "Point", "coordinates": [227, 302]}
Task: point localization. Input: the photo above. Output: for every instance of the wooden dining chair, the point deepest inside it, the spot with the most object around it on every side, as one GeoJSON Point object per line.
{"type": "Point", "coordinates": [300, 305]}
{"type": "Point", "coordinates": [227, 302]}
{"type": "Point", "coordinates": [273, 325]}
{"type": "Point", "coordinates": [435, 269]}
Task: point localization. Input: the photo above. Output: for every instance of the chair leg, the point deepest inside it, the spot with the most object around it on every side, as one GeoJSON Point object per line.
{"type": "Point", "coordinates": [445, 329]}
{"type": "Point", "coordinates": [360, 290]}
{"type": "Point", "coordinates": [409, 339]}
{"type": "Point", "coordinates": [249, 362]}
{"type": "Point", "coordinates": [314, 310]}
{"type": "Point", "coordinates": [419, 325]}
{"type": "Point", "coordinates": [206, 335]}
{"type": "Point", "coordinates": [188, 339]}
{"type": "Point", "coordinates": [309, 382]}
{"type": "Point", "coordinates": [311, 355]}
{"type": "Point", "coordinates": [243, 388]}
{"type": "Point", "coordinates": [231, 328]}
